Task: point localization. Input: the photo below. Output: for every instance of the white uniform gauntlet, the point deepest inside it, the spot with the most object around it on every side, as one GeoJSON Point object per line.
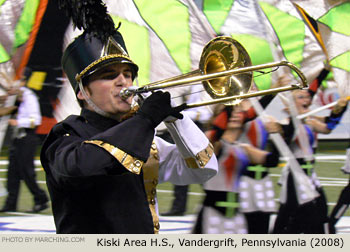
{"type": "Point", "coordinates": [192, 143]}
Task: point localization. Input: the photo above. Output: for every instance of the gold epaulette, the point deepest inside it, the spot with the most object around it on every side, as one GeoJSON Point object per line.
{"type": "Point", "coordinates": [132, 164]}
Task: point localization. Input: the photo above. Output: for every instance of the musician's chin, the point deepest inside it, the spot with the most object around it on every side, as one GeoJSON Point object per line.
{"type": "Point", "coordinates": [124, 107]}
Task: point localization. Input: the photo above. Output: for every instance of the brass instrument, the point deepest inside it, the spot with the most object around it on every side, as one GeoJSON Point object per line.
{"type": "Point", "coordinates": [226, 72]}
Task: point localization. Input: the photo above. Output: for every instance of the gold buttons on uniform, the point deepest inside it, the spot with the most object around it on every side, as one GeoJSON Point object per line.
{"type": "Point", "coordinates": [136, 166]}
{"type": "Point", "coordinates": [157, 225]}
{"type": "Point", "coordinates": [208, 154]}
{"type": "Point", "coordinates": [153, 191]}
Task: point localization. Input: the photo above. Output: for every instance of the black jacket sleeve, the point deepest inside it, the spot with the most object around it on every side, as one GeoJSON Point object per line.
{"type": "Point", "coordinates": [68, 160]}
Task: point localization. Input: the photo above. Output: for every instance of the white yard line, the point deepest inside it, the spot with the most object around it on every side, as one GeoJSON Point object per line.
{"type": "Point", "coordinates": [24, 223]}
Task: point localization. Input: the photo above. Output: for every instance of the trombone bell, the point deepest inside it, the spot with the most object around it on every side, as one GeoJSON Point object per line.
{"type": "Point", "coordinates": [222, 54]}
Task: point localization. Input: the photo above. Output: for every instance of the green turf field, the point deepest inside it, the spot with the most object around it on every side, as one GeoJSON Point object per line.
{"type": "Point", "coordinates": [328, 171]}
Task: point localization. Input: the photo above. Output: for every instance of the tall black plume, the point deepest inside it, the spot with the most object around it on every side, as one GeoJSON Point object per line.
{"type": "Point", "coordinates": [90, 16]}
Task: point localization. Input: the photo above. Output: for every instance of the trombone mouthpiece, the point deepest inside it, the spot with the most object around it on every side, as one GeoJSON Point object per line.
{"type": "Point", "coordinates": [125, 93]}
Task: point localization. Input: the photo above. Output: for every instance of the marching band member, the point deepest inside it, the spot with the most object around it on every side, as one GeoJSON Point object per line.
{"type": "Point", "coordinates": [102, 166]}
{"type": "Point", "coordinates": [222, 207]}
{"type": "Point", "coordinates": [310, 217]}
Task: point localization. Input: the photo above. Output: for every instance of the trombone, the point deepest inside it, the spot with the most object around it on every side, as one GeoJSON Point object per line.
{"type": "Point", "coordinates": [226, 73]}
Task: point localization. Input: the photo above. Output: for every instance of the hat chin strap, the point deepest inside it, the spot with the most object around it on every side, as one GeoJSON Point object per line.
{"type": "Point", "coordinates": [91, 103]}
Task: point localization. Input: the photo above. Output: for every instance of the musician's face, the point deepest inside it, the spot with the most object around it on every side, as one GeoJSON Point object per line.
{"type": "Point", "coordinates": [105, 85]}
{"type": "Point", "coordinates": [302, 100]}
{"type": "Point", "coordinates": [235, 121]}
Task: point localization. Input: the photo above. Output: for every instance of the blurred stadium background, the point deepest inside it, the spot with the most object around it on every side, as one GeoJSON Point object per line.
{"type": "Point", "coordinates": [34, 32]}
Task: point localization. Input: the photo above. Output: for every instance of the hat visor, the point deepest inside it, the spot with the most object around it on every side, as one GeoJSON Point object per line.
{"type": "Point", "coordinates": [106, 61]}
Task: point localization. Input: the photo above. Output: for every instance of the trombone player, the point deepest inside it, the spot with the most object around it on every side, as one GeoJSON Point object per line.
{"type": "Point", "coordinates": [103, 166]}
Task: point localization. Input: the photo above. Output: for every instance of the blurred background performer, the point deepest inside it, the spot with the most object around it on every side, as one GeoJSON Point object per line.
{"type": "Point", "coordinates": [22, 151]}
{"type": "Point", "coordinates": [221, 211]}
{"type": "Point", "coordinates": [311, 217]}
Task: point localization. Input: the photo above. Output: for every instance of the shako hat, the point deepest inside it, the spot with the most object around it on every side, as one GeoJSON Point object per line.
{"type": "Point", "coordinates": [87, 54]}
{"type": "Point", "coordinates": [100, 44]}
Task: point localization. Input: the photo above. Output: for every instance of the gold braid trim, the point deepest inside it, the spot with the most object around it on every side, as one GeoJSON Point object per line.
{"type": "Point", "coordinates": [202, 158]}
{"type": "Point", "coordinates": [150, 177]}
{"type": "Point", "coordinates": [130, 163]}
{"type": "Point", "coordinates": [98, 61]}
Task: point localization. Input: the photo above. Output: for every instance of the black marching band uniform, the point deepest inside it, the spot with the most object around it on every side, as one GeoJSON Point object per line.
{"type": "Point", "coordinates": [96, 169]}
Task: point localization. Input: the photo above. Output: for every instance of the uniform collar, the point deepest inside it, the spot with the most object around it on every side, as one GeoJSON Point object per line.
{"type": "Point", "coordinates": [98, 121]}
